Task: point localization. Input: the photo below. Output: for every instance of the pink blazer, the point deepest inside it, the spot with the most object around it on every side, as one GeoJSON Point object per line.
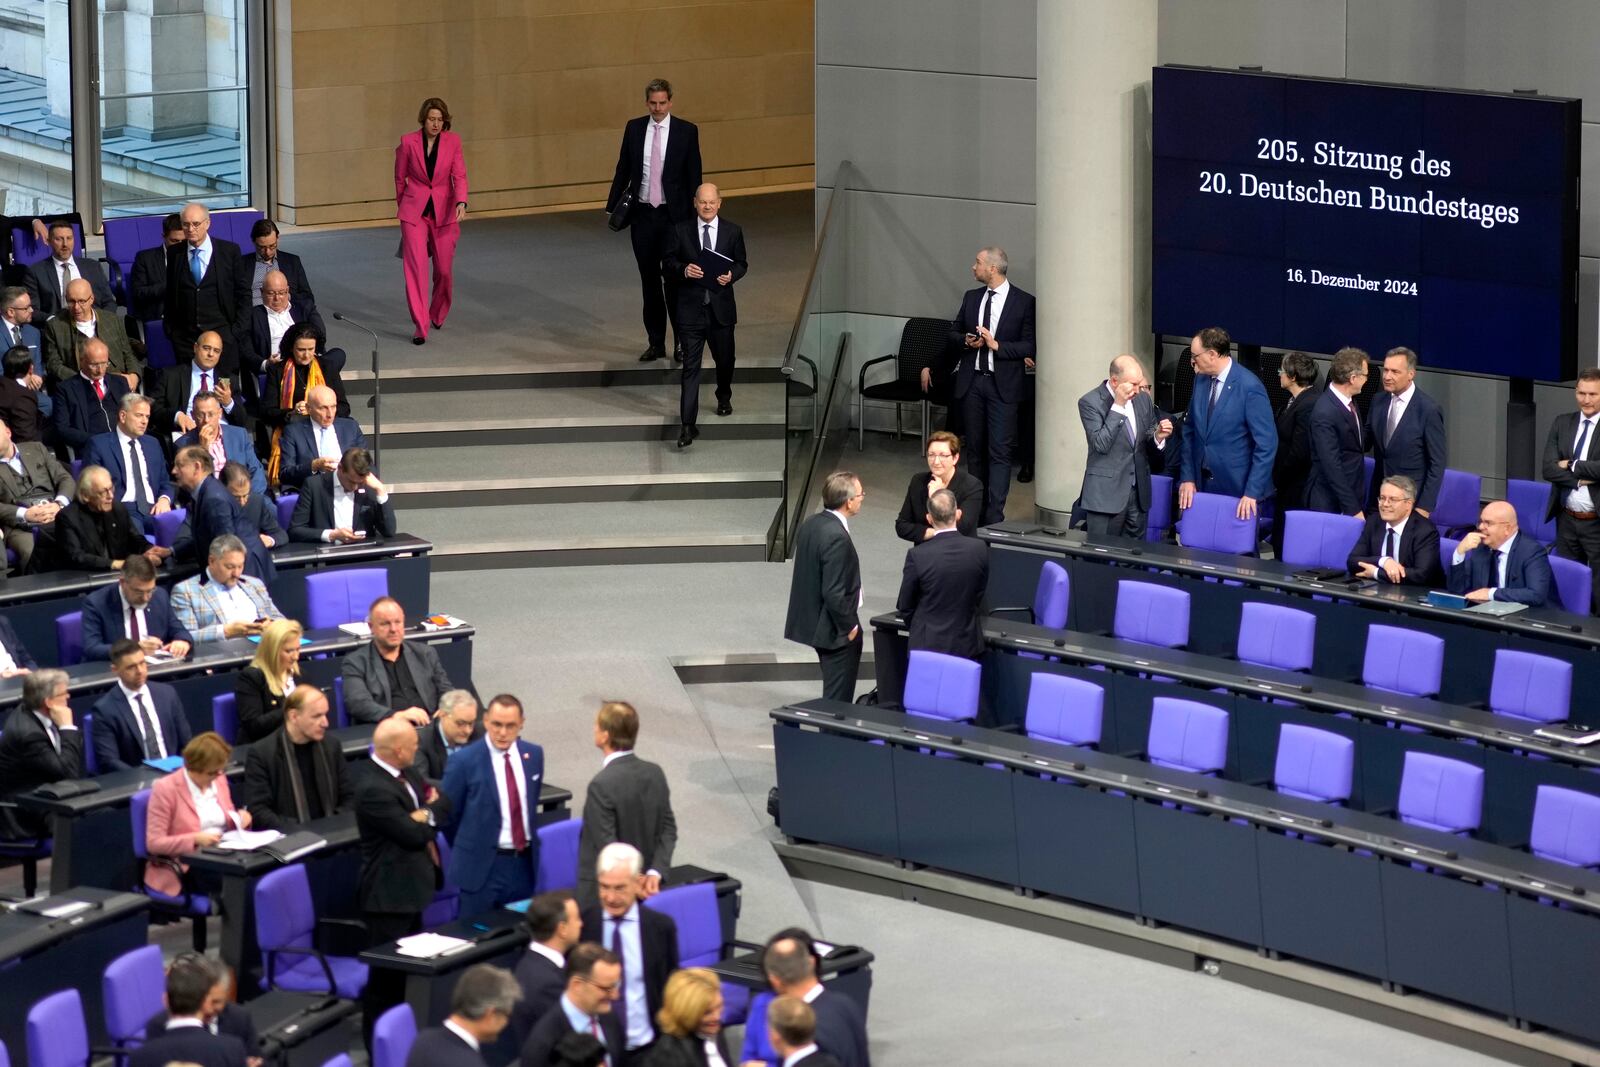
{"type": "Point", "coordinates": [170, 826]}
{"type": "Point", "coordinates": [412, 188]}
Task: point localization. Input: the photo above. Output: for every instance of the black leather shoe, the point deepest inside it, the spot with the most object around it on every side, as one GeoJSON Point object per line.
{"type": "Point", "coordinates": [677, 353]}
{"type": "Point", "coordinates": [686, 436]}
{"type": "Point", "coordinates": [724, 408]}
{"type": "Point", "coordinates": [652, 354]}
{"type": "Point", "coordinates": [695, 430]}
{"type": "Point", "coordinates": [1025, 475]}
{"type": "Point", "coordinates": [419, 340]}
{"type": "Point", "coordinates": [438, 326]}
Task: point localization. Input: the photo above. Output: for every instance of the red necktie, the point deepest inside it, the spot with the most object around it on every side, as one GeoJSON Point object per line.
{"type": "Point", "coordinates": [100, 388]}
{"type": "Point", "coordinates": [519, 832]}
{"type": "Point", "coordinates": [205, 381]}
{"type": "Point", "coordinates": [133, 623]}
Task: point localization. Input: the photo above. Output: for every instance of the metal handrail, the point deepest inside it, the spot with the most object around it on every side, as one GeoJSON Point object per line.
{"type": "Point", "coordinates": [792, 348]}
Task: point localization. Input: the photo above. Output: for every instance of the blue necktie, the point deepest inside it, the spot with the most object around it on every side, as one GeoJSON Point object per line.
{"type": "Point", "coordinates": [194, 265]}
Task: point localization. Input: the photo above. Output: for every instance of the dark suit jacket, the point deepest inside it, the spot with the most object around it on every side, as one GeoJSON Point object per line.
{"type": "Point", "coordinates": [1291, 468]}
{"type": "Point", "coordinates": [61, 344]}
{"type": "Point", "coordinates": [79, 537]}
{"type": "Point", "coordinates": [825, 591]}
{"type": "Point", "coordinates": [539, 1049]}
{"type": "Point", "coordinates": [438, 1047]}
{"type": "Point", "coordinates": [234, 1021]}
{"type": "Point", "coordinates": [628, 801]}
{"type": "Point", "coordinates": [45, 477]}
{"type": "Point", "coordinates": [43, 282]}
{"type": "Point", "coordinates": [1528, 577]}
{"type": "Point", "coordinates": [542, 984]}
{"type": "Point", "coordinates": [313, 514]}
{"type": "Point", "coordinates": [19, 407]}
{"type": "Point", "coordinates": [224, 286]}
{"type": "Point", "coordinates": [366, 680]}
{"type": "Point", "coordinates": [237, 447]}
{"type": "Point", "coordinates": [1418, 551]}
{"type": "Point", "coordinates": [116, 736]}
{"type": "Point", "coordinates": [941, 589]}
{"type": "Point", "coordinates": [105, 450]}
{"type": "Point", "coordinates": [680, 169]}
{"type": "Point", "coordinates": [299, 447]}
{"type": "Point", "coordinates": [1417, 450]}
{"type": "Point", "coordinates": [912, 521]}
{"type": "Point", "coordinates": [658, 941]}
{"type": "Point", "coordinates": [268, 791]}
{"type": "Point", "coordinates": [694, 307]}
{"type": "Point", "coordinates": [172, 393]}
{"type": "Point", "coordinates": [212, 513]}
{"type": "Point", "coordinates": [259, 710]}
{"type": "Point", "coordinates": [261, 349]}
{"type": "Point", "coordinates": [1558, 445]}
{"type": "Point", "coordinates": [189, 1044]}
{"type": "Point", "coordinates": [104, 621]}
{"type": "Point", "coordinates": [1337, 448]}
{"type": "Point", "coordinates": [474, 824]}
{"type": "Point", "coordinates": [818, 1058]}
{"type": "Point", "coordinates": [398, 875]}
{"type": "Point", "coordinates": [1114, 467]}
{"type": "Point", "coordinates": [147, 283]}
{"type": "Point", "coordinates": [293, 269]}
{"type": "Point", "coordinates": [432, 757]}
{"type": "Point", "coordinates": [261, 515]}
{"type": "Point", "coordinates": [79, 414]}
{"type": "Point", "coordinates": [841, 1029]}
{"type": "Point", "coordinates": [1231, 450]}
{"type": "Point", "coordinates": [1014, 332]}
{"type": "Point", "coordinates": [672, 1051]}
{"type": "Point", "coordinates": [27, 761]}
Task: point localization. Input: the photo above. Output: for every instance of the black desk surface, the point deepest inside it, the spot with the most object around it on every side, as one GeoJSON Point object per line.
{"type": "Point", "coordinates": [22, 933]}
{"type": "Point", "coordinates": [1213, 672]}
{"type": "Point", "coordinates": [1545, 623]}
{"type": "Point", "coordinates": [1492, 864]}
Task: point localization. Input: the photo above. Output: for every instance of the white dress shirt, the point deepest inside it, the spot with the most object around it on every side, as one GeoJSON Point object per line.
{"type": "Point", "coordinates": [451, 1025]}
{"type": "Point", "coordinates": [207, 805]}
{"type": "Point", "coordinates": [394, 772]}
{"type": "Point", "coordinates": [1580, 499]}
{"type": "Point", "coordinates": [700, 225]}
{"type": "Point", "coordinates": [86, 327]}
{"type": "Point", "coordinates": [650, 134]}
{"type": "Point", "coordinates": [548, 953]}
{"type": "Point", "coordinates": [53, 731]}
{"type": "Point", "coordinates": [997, 305]}
{"type": "Point", "coordinates": [205, 255]}
{"type": "Point", "coordinates": [278, 323]}
{"type": "Point", "coordinates": [635, 1008]}
{"type": "Point", "coordinates": [144, 620]}
{"type": "Point", "coordinates": [1397, 407]}
{"type": "Point", "coordinates": [132, 696]}
{"type": "Point", "coordinates": [6, 662]}
{"type": "Point", "coordinates": [327, 439]}
{"type": "Point", "coordinates": [1500, 568]}
{"type": "Point", "coordinates": [1399, 529]}
{"type": "Point", "coordinates": [498, 761]}
{"type": "Point", "coordinates": [129, 491]}
{"type": "Point", "coordinates": [195, 370]}
{"type": "Point", "coordinates": [713, 1054]}
{"type": "Point", "coordinates": [71, 265]}
{"type": "Point", "coordinates": [344, 509]}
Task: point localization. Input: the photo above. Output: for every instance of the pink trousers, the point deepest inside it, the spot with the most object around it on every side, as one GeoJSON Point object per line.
{"type": "Point", "coordinates": [418, 242]}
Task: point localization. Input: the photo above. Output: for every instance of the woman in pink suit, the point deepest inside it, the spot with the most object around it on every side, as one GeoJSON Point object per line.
{"type": "Point", "coordinates": [189, 809]}
{"type": "Point", "coordinates": [430, 187]}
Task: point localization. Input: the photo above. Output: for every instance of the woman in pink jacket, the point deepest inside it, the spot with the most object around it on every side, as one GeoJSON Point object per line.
{"type": "Point", "coordinates": [189, 809]}
{"type": "Point", "coordinates": [430, 189]}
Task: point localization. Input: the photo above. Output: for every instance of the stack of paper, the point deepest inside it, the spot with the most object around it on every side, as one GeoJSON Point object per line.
{"type": "Point", "coordinates": [245, 840]}
{"type": "Point", "coordinates": [427, 946]}
{"type": "Point", "coordinates": [356, 629]}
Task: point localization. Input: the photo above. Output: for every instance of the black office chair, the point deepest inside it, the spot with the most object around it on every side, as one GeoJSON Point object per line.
{"type": "Point", "coordinates": [923, 343]}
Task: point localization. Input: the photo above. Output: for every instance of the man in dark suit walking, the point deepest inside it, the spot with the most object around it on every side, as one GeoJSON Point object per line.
{"type": "Point", "coordinates": [627, 801]}
{"type": "Point", "coordinates": [1399, 544]}
{"type": "Point", "coordinates": [187, 1036]}
{"type": "Point", "coordinates": [1406, 430]}
{"type": "Point", "coordinates": [943, 584]}
{"type": "Point", "coordinates": [137, 719]}
{"type": "Point", "coordinates": [1297, 375]}
{"type": "Point", "coordinates": [480, 1007]}
{"type": "Point", "coordinates": [397, 815]}
{"type": "Point", "coordinates": [40, 744]}
{"type": "Point", "coordinates": [707, 311]}
{"type": "Point", "coordinates": [1572, 467]}
{"type": "Point", "coordinates": [208, 288]}
{"type": "Point", "coordinates": [644, 940]}
{"type": "Point", "coordinates": [995, 333]}
{"type": "Point", "coordinates": [554, 927]}
{"type": "Point", "coordinates": [585, 1009]}
{"type": "Point", "coordinates": [825, 591]}
{"type": "Point", "coordinates": [1125, 441]}
{"type": "Point", "coordinates": [660, 163]}
{"type": "Point", "coordinates": [1339, 439]}
{"type": "Point", "coordinates": [1495, 562]}
{"type": "Point", "coordinates": [1229, 438]}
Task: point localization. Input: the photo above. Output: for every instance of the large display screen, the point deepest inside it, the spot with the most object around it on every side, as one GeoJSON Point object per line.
{"type": "Point", "coordinates": [1314, 214]}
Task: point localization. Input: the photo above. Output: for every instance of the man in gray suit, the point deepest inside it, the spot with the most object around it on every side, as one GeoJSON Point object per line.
{"type": "Point", "coordinates": [33, 490]}
{"type": "Point", "coordinates": [825, 590]}
{"type": "Point", "coordinates": [1125, 438]}
{"type": "Point", "coordinates": [390, 675]}
{"type": "Point", "coordinates": [628, 801]}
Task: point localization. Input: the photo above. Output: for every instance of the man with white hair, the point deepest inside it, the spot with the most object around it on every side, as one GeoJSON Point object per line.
{"type": "Point", "coordinates": [208, 288]}
{"type": "Point", "coordinates": [645, 940]}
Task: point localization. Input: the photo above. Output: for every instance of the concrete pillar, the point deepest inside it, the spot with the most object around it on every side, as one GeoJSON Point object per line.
{"type": "Point", "coordinates": [1093, 217]}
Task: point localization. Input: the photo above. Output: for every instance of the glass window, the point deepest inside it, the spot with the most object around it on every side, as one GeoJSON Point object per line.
{"type": "Point", "coordinates": [35, 108]}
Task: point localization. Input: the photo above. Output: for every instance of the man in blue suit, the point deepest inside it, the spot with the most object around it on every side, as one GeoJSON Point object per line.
{"type": "Point", "coordinates": [493, 789]}
{"type": "Point", "coordinates": [1229, 437]}
{"type": "Point", "coordinates": [133, 458]}
{"type": "Point", "coordinates": [317, 442]}
{"type": "Point", "coordinates": [1494, 562]}
{"type": "Point", "coordinates": [87, 403]}
{"type": "Point", "coordinates": [1406, 427]}
{"type": "Point", "coordinates": [1339, 439]}
{"type": "Point", "coordinates": [137, 719]}
{"type": "Point", "coordinates": [135, 608]}
{"type": "Point", "coordinates": [16, 328]}
{"type": "Point", "coordinates": [213, 511]}
{"type": "Point", "coordinates": [235, 445]}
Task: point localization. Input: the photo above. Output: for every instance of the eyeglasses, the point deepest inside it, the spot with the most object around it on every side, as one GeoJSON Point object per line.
{"type": "Point", "coordinates": [606, 989]}
{"type": "Point", "coordinates": [1393, 499]}
{"type": "Point", "coordinates": [939, 455]}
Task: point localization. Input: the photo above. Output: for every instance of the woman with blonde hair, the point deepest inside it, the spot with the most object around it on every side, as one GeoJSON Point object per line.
{"type": "Point", "coordinates": [690, 1022]}
{"type": "Point", "coordinates": [189, 809]}
{"type": "Point", "coordinates": [261, 690]}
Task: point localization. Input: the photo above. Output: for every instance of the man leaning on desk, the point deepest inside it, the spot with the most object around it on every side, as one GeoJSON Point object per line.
{"type": "Point", "coordinates": [40, 745]}
{"type": "Point", "coordinates": [1399, 544]}
{"type": "Point", "coordinates": [1494, 562]}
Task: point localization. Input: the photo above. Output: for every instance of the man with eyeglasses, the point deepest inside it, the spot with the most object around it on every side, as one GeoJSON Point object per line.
{"type": "Point", "coordinates": [208, 288]}
{"type": "Point", "coordinates": [66, 334]}
{"type": "Point", "coordinates": [267, 257]}
{"type": "Point", "coordinates": [944, 472]}
{"type": "Point", "coordinates": [1494, 562]}
{"type": "Point", "coordinates": [47, 280]}
{"type": "Point", "coordinates": [1399, 545]}
{"type": "Point", "coordinates": [594, 984]}
{"type": "Point", "coordinates": [89, 401]}
{"type": "Point", "coordinates": [40, 744]}
{"type": "Point", "coordinates": [17, 330]}
{"type": "Point", "coordinates": [1572, 467]}
{"type": "Point", "coordinates": [278, 309]}
{"type": "Point", "coordinates": [1126, 436]}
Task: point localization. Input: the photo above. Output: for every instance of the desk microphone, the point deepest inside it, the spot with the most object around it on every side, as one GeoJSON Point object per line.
{"type": "Point", "coordinates": [377, 421]}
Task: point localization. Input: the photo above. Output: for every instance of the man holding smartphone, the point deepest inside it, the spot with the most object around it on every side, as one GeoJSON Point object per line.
{"type": "Point", "coordinates": [222, 601]}
{"type": "Point", "coordinates": [346, 504]}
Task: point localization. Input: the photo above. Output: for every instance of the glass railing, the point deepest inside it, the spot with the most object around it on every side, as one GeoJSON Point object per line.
{"type": "Point", "coordinates": [815, 372]}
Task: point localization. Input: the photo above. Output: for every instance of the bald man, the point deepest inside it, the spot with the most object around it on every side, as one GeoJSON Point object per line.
{"type": "Point", "coordinates": [317, 442]}
{"type": "Point", "coordinates": [208, 288]}
{"type": "Point", "coordinates": [1495, 562]}
{"type": "Point", "coordinates": [64, 335]}
{"type": "Point", "coordinates": [278, 310]}
{"type": "Point", "coordinates": [706, 308]}
{"type": "Point", "coordinates": [1127, 436]}
{"type": "Point", "coordinates": [87, 402]}
{"type": "Point", "coordinates": [172, 396]}
{"type": "Point", "coordinates": [396, 815]}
